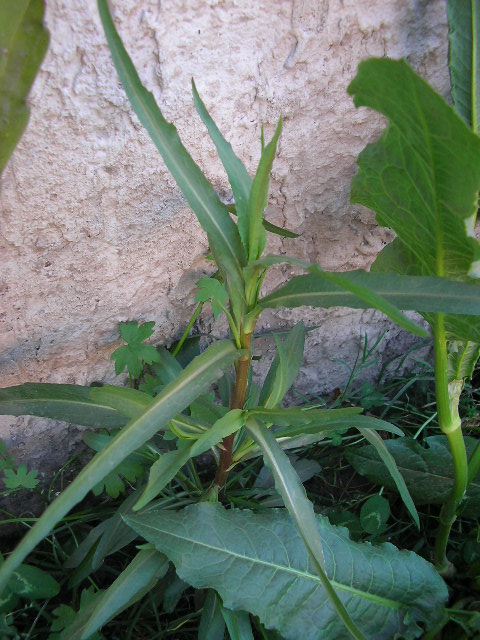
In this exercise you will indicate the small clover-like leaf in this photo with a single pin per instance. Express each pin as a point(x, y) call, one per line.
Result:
point(214, 290)
point(20, 478)
point(134, 354)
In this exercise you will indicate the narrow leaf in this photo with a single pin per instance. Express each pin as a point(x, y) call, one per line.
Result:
point(212, 624)
point(131, 585)
point(389, 462)
point(238, 624)
point(225, 241)
point(68, 402)
point(259, 197)
point(176, 396)
point(238, 177)
point(387, 592)
point(128, 402)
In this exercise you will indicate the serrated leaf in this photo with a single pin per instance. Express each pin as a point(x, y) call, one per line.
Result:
point(213, 290)
point(134, 354)
point(464, 58)
point(225, 242)
point(67, 402)
point(176, 396)
point(23, 44)
point(387, 591)
point(428, 471)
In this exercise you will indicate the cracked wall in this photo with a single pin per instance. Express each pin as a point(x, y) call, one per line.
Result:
point(94, 230)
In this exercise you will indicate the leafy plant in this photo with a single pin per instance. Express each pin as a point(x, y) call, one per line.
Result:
point(424, 171)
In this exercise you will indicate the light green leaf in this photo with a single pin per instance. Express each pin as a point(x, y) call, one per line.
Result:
point(386, 591)
point(225, 242)
point(238, 177)
point(389, 461)
point(284, 368)
point(131, 585)
point(68, 402)
point(464, 58)
point(176, 396)
point(334, 422)
point(428, 471)
point(128, 402)
point(23, 44)
point(169, 464)
point(20, 478)
point(462, 358)
point(422, 176)
point(259, 197)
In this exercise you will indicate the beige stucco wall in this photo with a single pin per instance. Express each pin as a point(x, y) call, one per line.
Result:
point(93, 229)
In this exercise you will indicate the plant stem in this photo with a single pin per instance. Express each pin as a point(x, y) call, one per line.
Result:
point(447, 397)
point(187, 330)
point(242, 370)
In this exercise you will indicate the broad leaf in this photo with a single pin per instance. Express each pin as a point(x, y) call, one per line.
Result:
point(176, 396)
point(259, 196)
point(23, 44)
point(428, 471)
point(213, 290)
point(464, 58)
point(462, 358)
point(130, 586)
point(386, 591)
point(238, 177)
point(284, 368)
point(68, 402)
point(225, 242)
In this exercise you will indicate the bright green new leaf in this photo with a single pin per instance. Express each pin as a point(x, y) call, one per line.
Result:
point(130, 586)
point(225, 242)
point(428, 471)
point(422, 176)
point(23, 44)
point(238, 177)
point(213, 290)
point(20, 478)
point(464, 58)
point(67, 402)
point(176, 396)
point(386, 591)
point(259, 197)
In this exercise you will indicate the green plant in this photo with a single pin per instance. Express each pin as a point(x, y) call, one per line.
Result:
point(23, 43)
point(304, 573)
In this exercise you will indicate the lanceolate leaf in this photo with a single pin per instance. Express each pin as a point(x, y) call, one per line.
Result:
point(422, 176)
point(225, 241)
point(23, 43)
point(386, 591)
point(259, 197)
point(428, 471)
point(284, 368)
point(68, 402)
point(176, 396)
point(462, 357)
point(464, 58)
point(130, 586)
point(405, 292)
point(238, 177)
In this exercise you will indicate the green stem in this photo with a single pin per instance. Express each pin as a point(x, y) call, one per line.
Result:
point(187, 330)
point(447, 397)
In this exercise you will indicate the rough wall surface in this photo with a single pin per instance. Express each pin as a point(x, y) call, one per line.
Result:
point(94, 230)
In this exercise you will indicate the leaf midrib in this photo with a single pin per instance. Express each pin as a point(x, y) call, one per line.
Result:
point(387, 602)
